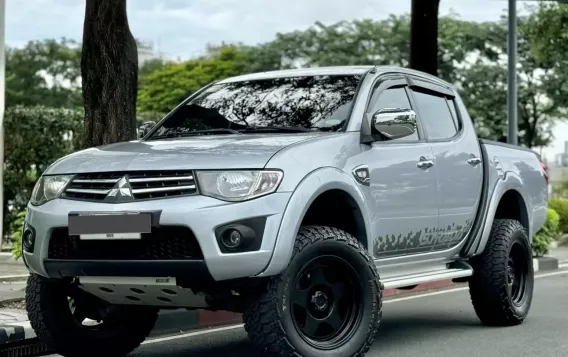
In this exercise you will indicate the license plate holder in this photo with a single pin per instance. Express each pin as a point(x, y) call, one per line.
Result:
point(109, 225)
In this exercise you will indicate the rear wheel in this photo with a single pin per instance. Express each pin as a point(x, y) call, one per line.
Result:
point(328, 300)
point(74, 323)
point(501, 288)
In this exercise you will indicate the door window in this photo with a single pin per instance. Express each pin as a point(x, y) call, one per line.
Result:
point(435, 116)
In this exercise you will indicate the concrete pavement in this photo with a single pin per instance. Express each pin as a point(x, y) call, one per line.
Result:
point(438, 324)
point(10, 291)
point(560, 253)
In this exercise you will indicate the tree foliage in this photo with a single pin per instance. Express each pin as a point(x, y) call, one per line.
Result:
point(547, 234)
point(163, 89)
point(44, 73)
point(483, 84)
point(34, 138)
point(548, 41)
point(471, 55)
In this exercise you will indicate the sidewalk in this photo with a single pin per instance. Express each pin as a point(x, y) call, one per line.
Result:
point(560, 253)
point(9, 267)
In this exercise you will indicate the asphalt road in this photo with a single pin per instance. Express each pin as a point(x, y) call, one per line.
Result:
point(439, 324)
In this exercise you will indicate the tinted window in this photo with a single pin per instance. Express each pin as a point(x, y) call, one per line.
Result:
point(435, 116)
point(310, 102)
point(393, 98)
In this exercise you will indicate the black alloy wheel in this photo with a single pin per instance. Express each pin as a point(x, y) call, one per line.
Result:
point(326, 302)
point(517, 271)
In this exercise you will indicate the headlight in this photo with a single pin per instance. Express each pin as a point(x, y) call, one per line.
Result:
point(238, 185)
point(48, 188)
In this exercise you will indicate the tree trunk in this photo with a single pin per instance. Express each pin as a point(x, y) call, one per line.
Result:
point(424, 36)
point(109, 70)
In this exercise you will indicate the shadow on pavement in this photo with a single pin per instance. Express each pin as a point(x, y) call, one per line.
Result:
point(392, 333)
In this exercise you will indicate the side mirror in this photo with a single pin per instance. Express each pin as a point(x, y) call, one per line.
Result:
point(145, 129)
point(394, 123)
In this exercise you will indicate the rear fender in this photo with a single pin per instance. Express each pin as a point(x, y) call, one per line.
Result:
point(511, 181)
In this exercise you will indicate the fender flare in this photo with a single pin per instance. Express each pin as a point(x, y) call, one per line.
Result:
point(311, 187)
point(511, 182)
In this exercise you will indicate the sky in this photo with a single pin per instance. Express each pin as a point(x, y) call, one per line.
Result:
point(183, 28)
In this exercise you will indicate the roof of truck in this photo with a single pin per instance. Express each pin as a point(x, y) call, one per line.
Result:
point(315, 71)
point(323, 71)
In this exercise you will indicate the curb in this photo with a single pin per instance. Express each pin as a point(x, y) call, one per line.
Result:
point(180, 320)
point(14, 278)
point(545, 263)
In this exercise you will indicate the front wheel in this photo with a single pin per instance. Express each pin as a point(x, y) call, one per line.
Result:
point(73, 323)
point(501, 287)
point(328, 300)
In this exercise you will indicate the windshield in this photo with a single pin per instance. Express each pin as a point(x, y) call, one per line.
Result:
point(304, 103)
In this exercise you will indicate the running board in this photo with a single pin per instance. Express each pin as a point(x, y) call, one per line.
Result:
point(416, 279)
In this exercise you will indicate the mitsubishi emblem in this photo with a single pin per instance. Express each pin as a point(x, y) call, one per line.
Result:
point(121, 190)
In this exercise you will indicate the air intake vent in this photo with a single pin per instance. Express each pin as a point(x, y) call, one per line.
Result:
point(139, 185)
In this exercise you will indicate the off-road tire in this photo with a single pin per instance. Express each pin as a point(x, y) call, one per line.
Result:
point(52, 320)
point(268, 318)
point(490, 295)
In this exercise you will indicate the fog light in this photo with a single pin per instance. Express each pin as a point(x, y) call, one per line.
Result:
point(232, 238)
point(28, 240)
point(240, 237)
point(236, 236)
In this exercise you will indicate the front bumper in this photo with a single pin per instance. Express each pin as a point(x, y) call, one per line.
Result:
point(199, 213)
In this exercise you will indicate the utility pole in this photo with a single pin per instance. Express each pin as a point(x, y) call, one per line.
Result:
point(512, 75)
point(2, 105)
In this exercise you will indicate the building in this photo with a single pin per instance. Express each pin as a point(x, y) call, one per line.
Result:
point(145, 52)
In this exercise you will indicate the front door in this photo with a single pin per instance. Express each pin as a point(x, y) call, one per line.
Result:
point(402, 192)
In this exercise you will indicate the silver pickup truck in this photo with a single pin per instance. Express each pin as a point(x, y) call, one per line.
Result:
point(294, 197)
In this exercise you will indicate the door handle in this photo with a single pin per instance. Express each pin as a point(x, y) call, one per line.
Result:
point(424, 163)
point(474, 161)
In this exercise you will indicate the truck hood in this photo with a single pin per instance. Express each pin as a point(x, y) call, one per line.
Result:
point(205, 152)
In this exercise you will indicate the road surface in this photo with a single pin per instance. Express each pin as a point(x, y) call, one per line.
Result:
point(441, 324)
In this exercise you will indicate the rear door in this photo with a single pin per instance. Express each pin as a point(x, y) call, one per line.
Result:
point(458, 160)
point(402, 193)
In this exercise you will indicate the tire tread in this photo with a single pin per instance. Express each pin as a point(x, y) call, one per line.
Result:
point(262, 320)
point(488, 286)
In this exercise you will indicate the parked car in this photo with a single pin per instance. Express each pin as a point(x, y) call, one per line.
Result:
point(294, 197)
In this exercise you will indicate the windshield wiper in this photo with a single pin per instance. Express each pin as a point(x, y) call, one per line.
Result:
point(196, 133)
point(282, 129)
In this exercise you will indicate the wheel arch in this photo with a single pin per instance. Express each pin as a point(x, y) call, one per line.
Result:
point(337, 208)
point(512, 205)
point(507, 201)
point(316, 189)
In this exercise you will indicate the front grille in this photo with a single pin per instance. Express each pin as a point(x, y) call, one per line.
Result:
point(144, 185)
point(164, 243)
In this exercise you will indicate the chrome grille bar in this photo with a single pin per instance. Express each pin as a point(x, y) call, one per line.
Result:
point(162, 189)
point(159, 179)
point(96, 180)
point(88, 191)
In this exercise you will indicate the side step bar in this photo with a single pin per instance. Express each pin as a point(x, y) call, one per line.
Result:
point(415, 279)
